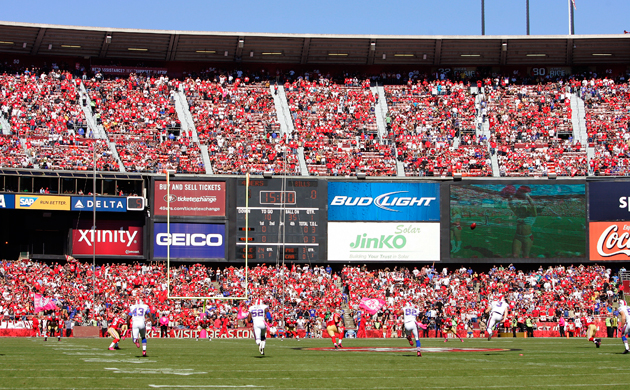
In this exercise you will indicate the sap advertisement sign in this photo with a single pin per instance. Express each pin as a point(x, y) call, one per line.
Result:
point(352, 201)
point(86, 203)
point(189, 241)
point(385, 241)
point(609, 201)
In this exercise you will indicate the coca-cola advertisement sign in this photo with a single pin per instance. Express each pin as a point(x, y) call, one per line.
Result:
point(190, 198)
point(609, 240)
point(109, 239)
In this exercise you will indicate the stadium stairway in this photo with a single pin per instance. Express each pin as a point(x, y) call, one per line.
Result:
point(303, 166)
point(578, 120)
point(286, 122)
point(348, 320)
point(6, 127)
point(28, 153)
point(380, 111)
point(483, 129)
point(99, 132)
point(97, 129)
point(184, 115)
point(188, 124)
point(282, 110)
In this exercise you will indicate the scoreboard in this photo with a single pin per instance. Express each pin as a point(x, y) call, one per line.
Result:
point(287, 219)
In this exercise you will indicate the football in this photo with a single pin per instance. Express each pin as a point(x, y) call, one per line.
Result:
point(473, 225)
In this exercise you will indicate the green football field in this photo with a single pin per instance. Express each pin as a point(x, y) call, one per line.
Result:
point(381, 364)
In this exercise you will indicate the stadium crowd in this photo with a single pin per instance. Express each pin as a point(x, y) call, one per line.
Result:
point(436, 124)
point(301, 296)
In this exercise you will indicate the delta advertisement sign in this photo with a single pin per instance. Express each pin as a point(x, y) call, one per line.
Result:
point(86, 203)
point(609, 241)
point(352, 201)
point(383, 241)
point(7, 201)
point(189, 241)
point(109, 239)
point(190, 198)
point(42, 202)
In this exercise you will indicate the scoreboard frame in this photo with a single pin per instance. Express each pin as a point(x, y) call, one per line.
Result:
point(287, 220)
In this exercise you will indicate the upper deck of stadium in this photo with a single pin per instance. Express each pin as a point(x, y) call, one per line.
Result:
point(225, 47)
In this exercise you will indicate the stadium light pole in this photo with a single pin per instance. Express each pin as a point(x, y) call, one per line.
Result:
point(527, 15)
point(571, 17)
point(483, 17)
point(94, 223)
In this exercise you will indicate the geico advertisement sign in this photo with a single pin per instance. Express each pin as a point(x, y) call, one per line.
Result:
point(384, 241)
point(115, 242)
point(609, 240)
point(190, 198)
point(351, 201)
point(42, 202)
point(189, 241)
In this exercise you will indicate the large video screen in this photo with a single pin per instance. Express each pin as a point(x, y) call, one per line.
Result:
point(517, 221)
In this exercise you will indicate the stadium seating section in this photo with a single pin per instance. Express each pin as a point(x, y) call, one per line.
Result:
point(431, 128)
point(545, 294)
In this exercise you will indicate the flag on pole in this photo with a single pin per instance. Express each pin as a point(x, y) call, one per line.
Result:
point(573, 3)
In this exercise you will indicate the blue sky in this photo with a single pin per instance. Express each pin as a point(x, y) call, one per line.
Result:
point(397, 17)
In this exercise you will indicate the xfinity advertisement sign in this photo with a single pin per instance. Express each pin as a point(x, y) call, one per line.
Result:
point(393, 241)
point(189, 241)
point(352, 201)
point(81, 203)
point(111, 238)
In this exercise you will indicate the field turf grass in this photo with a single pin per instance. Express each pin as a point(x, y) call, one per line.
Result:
point(232, 364)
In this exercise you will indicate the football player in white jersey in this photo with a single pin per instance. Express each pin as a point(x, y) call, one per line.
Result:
point(258, 313)
point(624, 325)
point(497, 311)
point(410, 312)
point(138, 311)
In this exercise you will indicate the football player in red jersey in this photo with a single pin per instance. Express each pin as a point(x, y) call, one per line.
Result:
point(335, 329)
point(113, 331)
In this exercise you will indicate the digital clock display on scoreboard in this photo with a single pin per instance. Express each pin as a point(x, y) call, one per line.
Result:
point(286, 220)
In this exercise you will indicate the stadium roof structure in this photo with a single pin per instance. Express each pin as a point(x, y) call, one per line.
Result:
point(226, 47)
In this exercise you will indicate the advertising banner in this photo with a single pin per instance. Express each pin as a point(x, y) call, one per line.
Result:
point(103, 203)
point(190, 241)
point(191, 198)
point(352, 201)
point(383, 241)
point(609, 241)
point(7, 201)
point(125, 70)
point(609, 201)
point(517, 221)
point(42, 202)
point(112, 238)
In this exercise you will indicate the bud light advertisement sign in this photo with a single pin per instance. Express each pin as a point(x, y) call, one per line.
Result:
point(352, 201)
point(609, 201)
point(189, 241)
